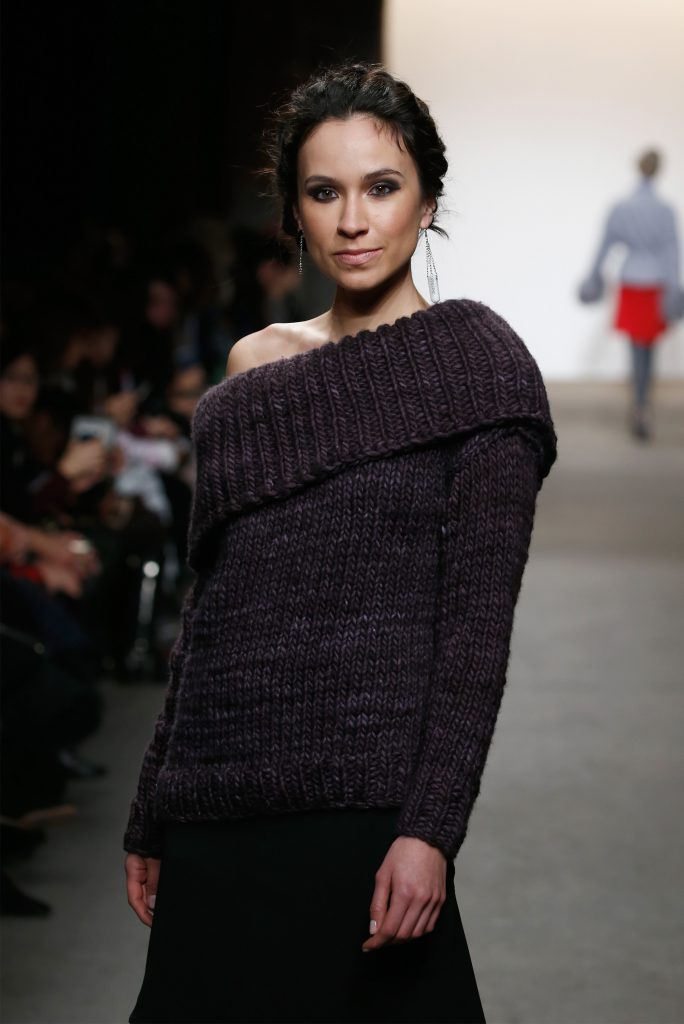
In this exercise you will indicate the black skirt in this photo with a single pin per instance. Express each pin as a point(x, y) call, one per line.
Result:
point(262, 919)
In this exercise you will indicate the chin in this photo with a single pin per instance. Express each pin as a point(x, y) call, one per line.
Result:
point(360, 281)
point(356, 283)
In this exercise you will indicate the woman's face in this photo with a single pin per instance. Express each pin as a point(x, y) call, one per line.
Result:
point(186, 389)
point(19, 388)
point(161, 308)
point(360, 203)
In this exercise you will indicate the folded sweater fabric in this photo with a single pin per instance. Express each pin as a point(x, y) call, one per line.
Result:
point(360, 526)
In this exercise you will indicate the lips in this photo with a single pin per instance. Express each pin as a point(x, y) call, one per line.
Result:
point(356, 258)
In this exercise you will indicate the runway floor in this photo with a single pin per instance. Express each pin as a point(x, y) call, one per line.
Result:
point(569, 882)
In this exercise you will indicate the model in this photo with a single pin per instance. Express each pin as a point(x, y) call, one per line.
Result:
point(366, 490)
point(650, 296)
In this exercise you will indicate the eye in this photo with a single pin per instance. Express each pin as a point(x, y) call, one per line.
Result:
point(323, 194)
point(386, 186)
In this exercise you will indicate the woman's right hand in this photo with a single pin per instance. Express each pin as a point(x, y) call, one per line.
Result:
point(142, 876)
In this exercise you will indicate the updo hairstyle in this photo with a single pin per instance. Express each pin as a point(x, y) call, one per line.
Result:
point(340, 92)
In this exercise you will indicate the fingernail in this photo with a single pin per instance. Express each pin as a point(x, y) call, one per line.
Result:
point(373, 926)
point(151, 901)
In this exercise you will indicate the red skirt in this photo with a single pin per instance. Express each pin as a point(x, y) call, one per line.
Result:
point(638, 313)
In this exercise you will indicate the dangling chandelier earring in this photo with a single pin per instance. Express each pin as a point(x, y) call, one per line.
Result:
point(301, 250)
point(433, 283)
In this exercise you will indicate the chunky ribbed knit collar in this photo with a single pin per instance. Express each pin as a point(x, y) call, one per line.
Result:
point(270, 430)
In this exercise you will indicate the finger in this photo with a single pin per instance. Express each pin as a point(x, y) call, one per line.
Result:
point(150, 896)
point(136, 900)
point(423, 921)
point(379, 901)
point(390, 923)
point(153, 869)
point(436, 911)
point(412, 915)
point(152, 882)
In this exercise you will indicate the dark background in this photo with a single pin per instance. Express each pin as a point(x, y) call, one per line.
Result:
point(145, 115)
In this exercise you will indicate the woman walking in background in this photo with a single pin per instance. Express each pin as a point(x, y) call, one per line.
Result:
point(366, 490)
point(650, 295)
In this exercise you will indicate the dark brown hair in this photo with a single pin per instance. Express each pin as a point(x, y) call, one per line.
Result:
point(649, 163)
point(339, 92)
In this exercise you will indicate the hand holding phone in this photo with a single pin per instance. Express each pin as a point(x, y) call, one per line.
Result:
point(84, 462)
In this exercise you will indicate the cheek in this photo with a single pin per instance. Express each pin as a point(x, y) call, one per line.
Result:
point(398, 221)
point(319, 221)
point(16, 401)
point(9, 395)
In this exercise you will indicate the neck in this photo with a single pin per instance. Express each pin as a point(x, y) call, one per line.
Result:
point(354, 311)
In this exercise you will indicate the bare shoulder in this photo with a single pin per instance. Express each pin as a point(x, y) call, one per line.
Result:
point(277, 341)
point(248, 352)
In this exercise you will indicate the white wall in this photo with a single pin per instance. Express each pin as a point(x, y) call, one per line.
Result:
point(543, 106)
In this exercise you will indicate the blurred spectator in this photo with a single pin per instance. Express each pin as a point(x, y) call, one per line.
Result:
point(48, 703)
point(151, 338)
point(31, 489)
point(101, 368)
point(265, 280)
point(91, 484)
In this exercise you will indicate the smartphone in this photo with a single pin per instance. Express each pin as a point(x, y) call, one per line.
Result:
point(86, 428)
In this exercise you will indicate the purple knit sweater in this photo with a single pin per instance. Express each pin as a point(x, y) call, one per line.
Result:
point(359, 531)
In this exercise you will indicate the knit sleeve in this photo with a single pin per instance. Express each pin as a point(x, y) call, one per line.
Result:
point(143, 833)
point(490, 512)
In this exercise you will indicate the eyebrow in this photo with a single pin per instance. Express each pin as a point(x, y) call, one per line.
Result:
point(367, 177)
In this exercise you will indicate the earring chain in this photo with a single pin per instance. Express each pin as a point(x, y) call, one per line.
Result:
point(433, 282)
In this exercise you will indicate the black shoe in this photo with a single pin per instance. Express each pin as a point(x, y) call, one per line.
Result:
point(15, 903)
point(77, 767)
point(639, 425)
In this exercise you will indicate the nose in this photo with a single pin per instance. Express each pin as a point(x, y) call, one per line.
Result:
point(353, 219)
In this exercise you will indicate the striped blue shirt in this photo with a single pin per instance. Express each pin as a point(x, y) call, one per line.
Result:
point(647, 228)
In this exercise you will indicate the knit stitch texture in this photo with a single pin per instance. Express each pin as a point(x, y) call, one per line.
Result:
point(360, 527)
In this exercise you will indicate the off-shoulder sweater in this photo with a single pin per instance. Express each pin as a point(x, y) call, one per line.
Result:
point(359, 530)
